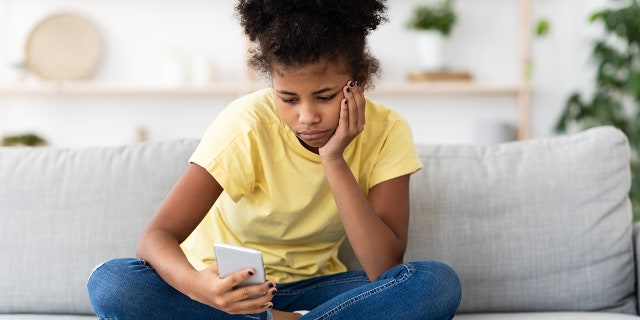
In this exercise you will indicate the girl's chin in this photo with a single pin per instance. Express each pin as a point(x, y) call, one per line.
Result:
point(312, 146)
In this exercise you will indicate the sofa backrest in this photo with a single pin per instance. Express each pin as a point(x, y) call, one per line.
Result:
point(537, 225)
point(62, 211)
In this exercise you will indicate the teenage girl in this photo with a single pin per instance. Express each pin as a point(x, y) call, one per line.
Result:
point(293, 171)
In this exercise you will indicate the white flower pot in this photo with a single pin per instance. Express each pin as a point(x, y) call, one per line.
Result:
point(429, 44)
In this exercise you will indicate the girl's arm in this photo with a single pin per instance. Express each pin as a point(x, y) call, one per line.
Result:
point(180, 213)
point(376, 226)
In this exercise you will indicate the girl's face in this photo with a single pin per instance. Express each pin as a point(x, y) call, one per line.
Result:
point(308, 100)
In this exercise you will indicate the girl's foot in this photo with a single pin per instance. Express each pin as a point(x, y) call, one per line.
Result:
point(281, 315)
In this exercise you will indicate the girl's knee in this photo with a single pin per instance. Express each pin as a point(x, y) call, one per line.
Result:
point(442, 270)
point(103, 273)
point(441, 273)
point(110, 283)
point(442, 281)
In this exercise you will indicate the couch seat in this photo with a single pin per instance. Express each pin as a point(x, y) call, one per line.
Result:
point(547, 316)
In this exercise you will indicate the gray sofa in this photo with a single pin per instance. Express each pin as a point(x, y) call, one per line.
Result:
point(539, 229)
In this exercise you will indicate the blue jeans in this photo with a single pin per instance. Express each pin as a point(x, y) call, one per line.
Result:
point(131, 289)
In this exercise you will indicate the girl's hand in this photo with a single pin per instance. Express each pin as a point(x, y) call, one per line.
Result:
point(351, 122)
point(210, 289)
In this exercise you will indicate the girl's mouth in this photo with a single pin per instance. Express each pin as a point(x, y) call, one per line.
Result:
point(313, 135)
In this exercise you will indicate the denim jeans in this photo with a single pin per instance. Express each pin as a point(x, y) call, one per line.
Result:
point(131, 289)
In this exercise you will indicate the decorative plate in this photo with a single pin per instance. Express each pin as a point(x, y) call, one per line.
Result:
point(64, 46)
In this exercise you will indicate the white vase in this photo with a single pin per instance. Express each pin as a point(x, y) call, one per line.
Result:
point(173, 70)
point(430, 52)
point(201, 70)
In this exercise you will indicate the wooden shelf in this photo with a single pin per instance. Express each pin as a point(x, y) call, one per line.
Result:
point(239, 88)
point(452, 87)
point(102, 89)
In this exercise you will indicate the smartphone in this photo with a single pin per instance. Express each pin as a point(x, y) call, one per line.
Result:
point(232, 258)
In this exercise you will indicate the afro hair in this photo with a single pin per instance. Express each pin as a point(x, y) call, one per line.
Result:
point(291, 33)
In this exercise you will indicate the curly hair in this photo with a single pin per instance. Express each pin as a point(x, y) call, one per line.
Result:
point(292, 33)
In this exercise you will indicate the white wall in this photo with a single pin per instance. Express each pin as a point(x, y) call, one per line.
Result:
point(138, 35)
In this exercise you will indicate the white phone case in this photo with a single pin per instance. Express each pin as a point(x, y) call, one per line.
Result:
point(232, 258)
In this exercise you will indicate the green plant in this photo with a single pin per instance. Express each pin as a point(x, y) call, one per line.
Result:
point(543, 27)
point(25, 139)
point(616, 99)
point(19, 66)
point(440, 17)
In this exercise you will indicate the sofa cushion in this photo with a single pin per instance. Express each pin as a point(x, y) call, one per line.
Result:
point(636, 243)
point(46, 317)
point(547, 316)
point(538, 225)
point(65, 210)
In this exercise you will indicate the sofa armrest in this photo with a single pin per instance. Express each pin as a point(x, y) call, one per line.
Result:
point(636, 245)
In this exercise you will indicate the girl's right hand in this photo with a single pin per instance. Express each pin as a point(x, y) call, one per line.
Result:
point(210, 289)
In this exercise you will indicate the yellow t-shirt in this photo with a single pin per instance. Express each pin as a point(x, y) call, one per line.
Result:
point(276, 198)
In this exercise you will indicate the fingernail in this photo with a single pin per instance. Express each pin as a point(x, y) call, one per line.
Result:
point(251, 273)
point(348, 90)
point(351, 84)
point(270, 305)
point(270, 285)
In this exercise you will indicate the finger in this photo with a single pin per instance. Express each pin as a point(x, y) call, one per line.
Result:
point(254, 303)
point(352, 105)
point(250, 307)
point(351, 92)
point(214, 268)
point(343, 122)
point(254, 291)
point(358, 96)
point(356, 93)
point(237, 277)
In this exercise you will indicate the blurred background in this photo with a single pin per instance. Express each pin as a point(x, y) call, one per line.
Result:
point(163, 69)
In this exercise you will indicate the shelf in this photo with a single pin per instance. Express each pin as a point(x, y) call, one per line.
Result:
point(518, 87)
point(450, 87)
point(239, 88)
point(102, 89)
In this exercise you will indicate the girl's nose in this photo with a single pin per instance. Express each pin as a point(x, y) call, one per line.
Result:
point(308, 114)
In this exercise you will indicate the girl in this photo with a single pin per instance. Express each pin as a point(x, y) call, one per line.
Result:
point(292, 171)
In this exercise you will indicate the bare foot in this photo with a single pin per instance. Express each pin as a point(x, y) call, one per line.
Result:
point(281, 315)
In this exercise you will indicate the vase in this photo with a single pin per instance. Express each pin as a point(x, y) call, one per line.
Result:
point(430, 53)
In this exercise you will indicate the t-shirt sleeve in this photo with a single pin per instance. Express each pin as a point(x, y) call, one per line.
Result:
point(397, 156)
point(225, 152)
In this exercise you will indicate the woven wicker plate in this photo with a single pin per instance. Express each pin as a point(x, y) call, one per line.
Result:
point(64, 46)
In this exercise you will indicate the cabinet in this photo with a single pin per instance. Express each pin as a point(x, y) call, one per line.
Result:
point(520, 89)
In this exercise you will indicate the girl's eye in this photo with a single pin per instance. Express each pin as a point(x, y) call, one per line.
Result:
point(288, 100)
point(327, 98)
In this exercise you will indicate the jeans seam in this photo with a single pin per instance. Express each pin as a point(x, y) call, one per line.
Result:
point(368, 293)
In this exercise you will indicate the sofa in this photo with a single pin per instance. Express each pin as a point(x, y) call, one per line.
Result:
point(536, 229)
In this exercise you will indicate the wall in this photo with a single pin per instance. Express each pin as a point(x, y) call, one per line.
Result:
point(140, 36)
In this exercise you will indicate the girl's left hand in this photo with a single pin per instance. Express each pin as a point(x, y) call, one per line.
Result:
point(351, 123)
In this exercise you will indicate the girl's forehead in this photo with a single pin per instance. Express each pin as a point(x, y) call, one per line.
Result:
point(320, 68)
point(311, 69)
point(308, 81)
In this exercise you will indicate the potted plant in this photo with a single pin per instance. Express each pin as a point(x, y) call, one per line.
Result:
point(23, 140)
point(19, 71)
point(433, 24)
point(616, 97)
